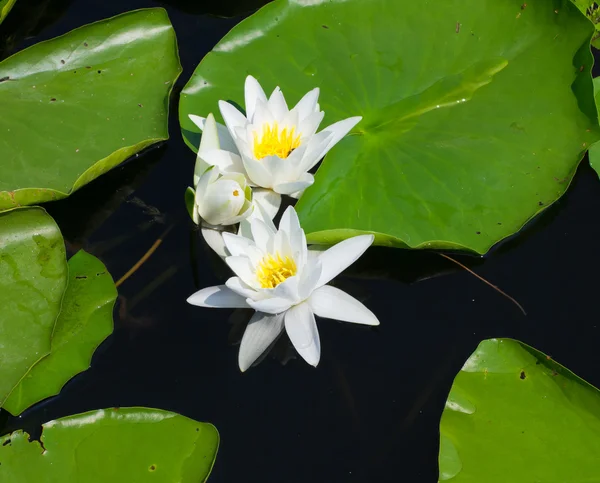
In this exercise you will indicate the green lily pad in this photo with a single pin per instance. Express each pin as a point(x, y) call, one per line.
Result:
point(514, 411)
point(5, 7)
point(85, 320)
point(591, 9)
point(76, 106)
point(54, 315)
point(594, 152)
point(476, 113)
point(117, 445)
point(33, 278)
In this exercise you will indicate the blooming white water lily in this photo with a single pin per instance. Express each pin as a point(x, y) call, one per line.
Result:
point(286, 284)
point(275, 146)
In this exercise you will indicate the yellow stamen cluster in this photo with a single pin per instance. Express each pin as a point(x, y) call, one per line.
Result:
point(273, 270)
point(275, 142)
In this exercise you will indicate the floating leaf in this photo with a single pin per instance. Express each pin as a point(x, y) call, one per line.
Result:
point(594, 151)
point(78, 105)
point(514, 411)
point(85, 320)
point(476, 113)
point(5, 7)
point(116, 445)
point(33, 278)
point(54, 314)
point(591, 9)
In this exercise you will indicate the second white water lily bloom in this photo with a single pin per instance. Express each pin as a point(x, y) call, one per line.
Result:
point(286, 284)
point(277, 145)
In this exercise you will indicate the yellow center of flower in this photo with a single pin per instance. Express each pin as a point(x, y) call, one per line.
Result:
point(275, 142)
point(273, 270)
point(236, 193)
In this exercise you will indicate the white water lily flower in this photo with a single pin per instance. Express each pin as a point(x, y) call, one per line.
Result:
point(276, 276)
point(275, 145)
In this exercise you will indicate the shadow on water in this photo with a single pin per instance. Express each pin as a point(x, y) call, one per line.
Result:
point(222, 8)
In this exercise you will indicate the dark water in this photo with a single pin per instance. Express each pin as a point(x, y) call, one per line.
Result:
point(370, 411)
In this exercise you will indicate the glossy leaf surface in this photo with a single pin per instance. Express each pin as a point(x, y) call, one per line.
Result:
point(78, 105)
point(514, 411)
point(117, 445)
point(85, 320)
point(33, 278)
point(476, 113)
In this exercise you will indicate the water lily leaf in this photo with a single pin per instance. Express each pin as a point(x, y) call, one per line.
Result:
point(117, 445)
point(594, 152)
point(33, 278)
point(85, 320)
point(5, 7)
point(513, 410)
point(476, 113)
point(591, 9)
point(78, 105)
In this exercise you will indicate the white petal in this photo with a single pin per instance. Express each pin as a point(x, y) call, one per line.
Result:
point(302, 330)
point(313, 154)
point(226, 161)
point(277, 104)
point(225, 139)
point(232, 117)
point(339, 257)
point(309, 278)
point(273, 305)
point(242, 267)
point(252, 92)
point(290, 224)
point(261, 332)
point(308, 104)
point(210, 135)
point(262, 235)
point(214, 239)
point(268, 200)
point(339, 130)
point(308, 126)
point(333, 303)
point(280, 170)
point(217, 297)
point(257, 172)
point(237, 245)
point(259, 213)
point(237, 285)
point(295, 186)
point(287, 290)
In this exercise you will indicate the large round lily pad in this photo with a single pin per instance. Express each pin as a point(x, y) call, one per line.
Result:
point(476, 113)
point(78, 105)
point(112, 445)
point(514, 413)
point(54, 314)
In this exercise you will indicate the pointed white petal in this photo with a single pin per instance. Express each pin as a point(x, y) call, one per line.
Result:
point(237, 285)
point(287, 290)
point(296, 186)
point(302, 330)
point(232, 117)
point(242, 267)
point(237, 245)
point(261, 332)
point(313, 154)
point(226, 161)
point(308, 104)
point(339, 130)
point(309, 278)
point(214, 239)
point(308, 126)
point(210, 135)
point(252, 92)
point(262, 115)
point(257, 172)
point(225, 139)
point(219, 297)
point(268, 200)
point(339, 257)
point(280, 170)
point(290, 224)
point(333, 303)
point(277, 104)
point(262, 235)
point(273, 305)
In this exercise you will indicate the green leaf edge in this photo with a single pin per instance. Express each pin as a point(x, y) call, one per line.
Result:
point(31, 196)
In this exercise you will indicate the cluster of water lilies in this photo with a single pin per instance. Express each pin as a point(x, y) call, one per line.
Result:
point(241, 172)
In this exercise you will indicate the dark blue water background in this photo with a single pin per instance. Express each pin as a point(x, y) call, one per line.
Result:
point(370, 412)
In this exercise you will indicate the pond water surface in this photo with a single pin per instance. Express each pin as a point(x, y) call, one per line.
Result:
point(370, 412)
